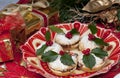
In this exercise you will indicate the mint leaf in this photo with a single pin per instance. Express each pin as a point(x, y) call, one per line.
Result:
point(74, 31)
point(100, 42)
point(89, 61)
point(56, 29)
point(47, 36)
point(66, 59)
point(49, 56)
point(118, 14)
point(41, 50)
point(92, 28)
point(99, 52)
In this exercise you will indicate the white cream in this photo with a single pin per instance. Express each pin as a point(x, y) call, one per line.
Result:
point(58, 66)
point(85, 43)
point(61, 39)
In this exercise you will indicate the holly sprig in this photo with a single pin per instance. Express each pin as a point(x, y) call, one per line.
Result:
point(59, 30)
point(93, 29)
point(89, 59)
point(56, 29)
point(51, 56)
point(41, 50)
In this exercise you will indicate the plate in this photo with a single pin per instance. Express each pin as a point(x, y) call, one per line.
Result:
point(35, 65)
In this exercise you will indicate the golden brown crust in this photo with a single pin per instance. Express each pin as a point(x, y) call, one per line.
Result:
point(70, 47)
point(86, 69)
point(60, 73)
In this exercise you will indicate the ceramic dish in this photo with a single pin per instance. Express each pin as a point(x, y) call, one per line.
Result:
point(38, 66)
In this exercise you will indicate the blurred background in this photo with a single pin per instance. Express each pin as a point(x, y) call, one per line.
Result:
point(3, 3)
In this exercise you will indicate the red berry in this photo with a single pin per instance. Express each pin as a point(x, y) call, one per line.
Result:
point(86, 52)
point(77, 25)
point(68, 35)
point(43, 30)
point(49, 43)
point(62, 52)
point(91, 37)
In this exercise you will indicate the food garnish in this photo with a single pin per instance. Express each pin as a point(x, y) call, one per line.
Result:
point(89, 58)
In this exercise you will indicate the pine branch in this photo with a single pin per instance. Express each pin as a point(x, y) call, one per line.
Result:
point(68, 8)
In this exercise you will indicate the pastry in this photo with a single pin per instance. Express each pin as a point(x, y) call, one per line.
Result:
point(60, 69)
point(67, 43)
point(99, 63)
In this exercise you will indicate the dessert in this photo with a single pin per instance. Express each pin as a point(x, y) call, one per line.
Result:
point(68, 39)
point(90, 56)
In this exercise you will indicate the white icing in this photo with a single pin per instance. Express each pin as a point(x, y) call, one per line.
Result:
point(87, 43)
point(57, 65)
point(61, 39)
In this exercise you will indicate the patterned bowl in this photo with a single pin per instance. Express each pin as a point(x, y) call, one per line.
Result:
point(35, 65)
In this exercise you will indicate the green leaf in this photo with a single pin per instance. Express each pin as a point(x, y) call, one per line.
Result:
point(99, 52)
point(100, 41)
point(41, 50)
point(66, 59)
point(118, 14)
point(47, 35)
point(74, 31)
point(89, 61)
point(92, 28)
point(56, 29)
point(49, 56)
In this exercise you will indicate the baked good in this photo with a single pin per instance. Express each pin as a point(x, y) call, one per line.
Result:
point(60, 69)
point(81, 66)
point(67, 43)
point(98, 65)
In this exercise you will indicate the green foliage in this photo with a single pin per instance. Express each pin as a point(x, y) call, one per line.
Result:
point(66, 59)
point(47, 36)
point(99, 52)
point(56, 29)
point(41, 50)
point(49, 56)
point(89, 61)
point(64, 6)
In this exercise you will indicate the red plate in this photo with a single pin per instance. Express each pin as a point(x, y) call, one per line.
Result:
point(35, 65)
